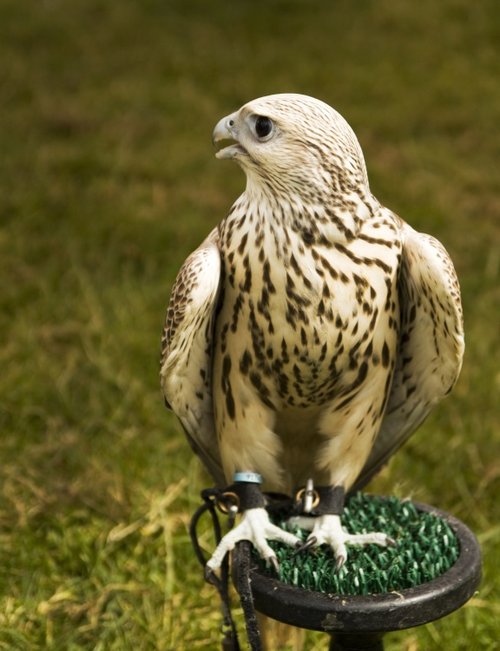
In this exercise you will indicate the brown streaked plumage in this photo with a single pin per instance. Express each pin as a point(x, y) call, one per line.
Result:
point(314, 330)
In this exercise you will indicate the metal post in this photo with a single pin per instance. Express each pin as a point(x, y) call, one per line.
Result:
point(356, 642)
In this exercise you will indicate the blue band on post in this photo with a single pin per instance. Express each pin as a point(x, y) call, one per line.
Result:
point(250, 477)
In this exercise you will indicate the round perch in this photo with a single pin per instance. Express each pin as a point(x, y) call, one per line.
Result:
point(359, 621)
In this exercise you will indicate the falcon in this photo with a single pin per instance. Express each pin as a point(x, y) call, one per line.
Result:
point(312, 331)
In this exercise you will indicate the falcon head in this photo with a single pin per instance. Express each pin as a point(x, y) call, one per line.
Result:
point(295, 143)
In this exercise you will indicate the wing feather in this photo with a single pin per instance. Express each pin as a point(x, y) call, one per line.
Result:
point(431, 344)
point(187, 346)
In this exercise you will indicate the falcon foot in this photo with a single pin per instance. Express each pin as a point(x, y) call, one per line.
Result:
point(256, 527)
point(327, 530)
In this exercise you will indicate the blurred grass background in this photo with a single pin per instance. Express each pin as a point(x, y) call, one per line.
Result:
point(107, 181)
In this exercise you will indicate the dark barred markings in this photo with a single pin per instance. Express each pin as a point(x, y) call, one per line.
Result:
point(362, 373)
point(263, 304)
point(284, 351)
point(335, 357)
point(297, 373)
point(283, 383)
point(295, 265)
point(353, 354)
point(373, 321)
point(385, 355)
point(266, 276)
point(291, 314)
point(387, 389)
point(236, 310)
point(347, 232)
point(376, 240)
point(301, 278)
point(345, 402)
point(181, 297)
point(325, 264)
point(259, 341)
point(362, 260)
point(303, 316)
point(298, 389)
point(360, 282)
point(388, 284)
point(245, 362)
point(247, 285)
point(353, 389)
point(223, 337)
point(298, 299)
point(262, 390)
point(231, 275)
point(263, 309)
point(226, 387)
point(308, 237)
point(243, 243)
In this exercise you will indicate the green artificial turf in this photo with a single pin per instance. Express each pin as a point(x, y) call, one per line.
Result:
point(107, 181)
point(426, 547)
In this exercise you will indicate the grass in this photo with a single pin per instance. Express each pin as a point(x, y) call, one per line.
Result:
point(107, 181)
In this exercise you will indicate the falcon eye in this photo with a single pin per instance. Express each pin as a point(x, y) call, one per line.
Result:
point(263, 126)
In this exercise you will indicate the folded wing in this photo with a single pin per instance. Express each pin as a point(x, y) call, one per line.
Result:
point(187, 346)
point(431, 344)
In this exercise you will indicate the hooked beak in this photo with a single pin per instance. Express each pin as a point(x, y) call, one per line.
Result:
point(226, 129)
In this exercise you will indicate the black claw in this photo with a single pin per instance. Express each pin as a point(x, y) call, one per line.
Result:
point(302, 547)
point(274, 562)
point(340, 562)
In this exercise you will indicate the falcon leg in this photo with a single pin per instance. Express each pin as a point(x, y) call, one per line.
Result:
point(326, 528)
point(255, 524)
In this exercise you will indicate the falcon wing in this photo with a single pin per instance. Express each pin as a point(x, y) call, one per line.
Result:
point(186, 355)
point(431, 344)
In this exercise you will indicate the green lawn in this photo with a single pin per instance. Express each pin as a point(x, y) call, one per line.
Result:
point(108, 180)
